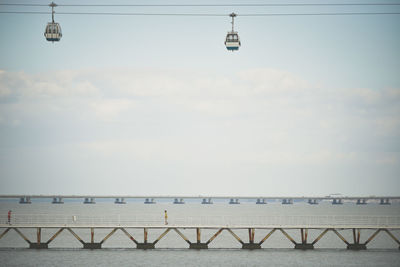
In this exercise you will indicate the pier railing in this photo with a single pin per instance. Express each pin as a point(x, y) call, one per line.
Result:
point(157, 220)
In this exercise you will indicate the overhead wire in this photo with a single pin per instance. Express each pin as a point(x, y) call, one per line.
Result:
point(205, 14)
point(209, 5)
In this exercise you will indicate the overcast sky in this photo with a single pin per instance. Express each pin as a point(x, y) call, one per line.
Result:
point(156, 105)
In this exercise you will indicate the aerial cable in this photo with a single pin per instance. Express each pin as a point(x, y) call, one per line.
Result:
point(209, 5)
point(205, 14)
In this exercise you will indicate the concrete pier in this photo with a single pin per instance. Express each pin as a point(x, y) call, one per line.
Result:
point(25, 200)
point(337, 201)
point(234, 201)
point(120, 201)
point(57, 200)
point(207, 201)
point(361, 201)
point(261, 201)
point(312, 201)
point(179, 201)
point(149, 201)
point(89, 201)
point(287, 201)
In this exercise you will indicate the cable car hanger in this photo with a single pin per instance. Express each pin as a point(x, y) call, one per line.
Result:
point(232, 40)
point(53, 29)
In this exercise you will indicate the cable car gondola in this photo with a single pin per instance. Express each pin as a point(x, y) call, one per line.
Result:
point(232, 40)
point(53, 30)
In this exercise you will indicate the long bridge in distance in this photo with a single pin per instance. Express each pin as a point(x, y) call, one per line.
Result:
point(208, 199)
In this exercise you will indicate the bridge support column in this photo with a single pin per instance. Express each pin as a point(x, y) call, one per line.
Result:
point(198, 244)
point(92, 244)
point(385, 201)
point(25, 200)
point(38, 244)
point(57, 200)
point(251, 245)
point(356, 238)
point(304, 245)
point(145, 244)
point(88, 200)
point(337, 201)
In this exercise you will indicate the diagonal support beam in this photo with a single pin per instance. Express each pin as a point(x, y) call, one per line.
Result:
point(235, 236)
point(108, 236)
point(372, 236)
point(267, 236)
point(54, 236)
point(22, 235)
point(129, 235)
point(161, 236)
point(288, 236)
point(340, 236)
point(183, 236)
point(320, 236)
point(76, 236)
point(392, 236)
point(5, 232)
point(214, 236)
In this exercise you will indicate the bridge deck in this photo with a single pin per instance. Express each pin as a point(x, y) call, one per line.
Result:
point(200, 197)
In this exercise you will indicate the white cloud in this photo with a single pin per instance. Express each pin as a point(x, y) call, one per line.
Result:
point(109, 109)
point(215, 124)
point(273, 82)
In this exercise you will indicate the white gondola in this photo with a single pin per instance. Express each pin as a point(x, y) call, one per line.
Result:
point(53, 30)
point(232, 40)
